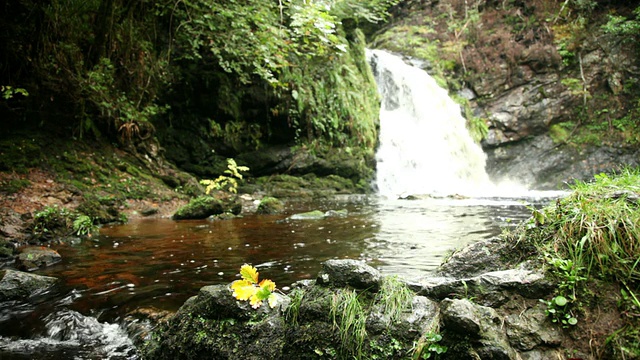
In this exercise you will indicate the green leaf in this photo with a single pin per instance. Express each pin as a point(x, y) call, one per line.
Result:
point(572, 321)
point(560, 300)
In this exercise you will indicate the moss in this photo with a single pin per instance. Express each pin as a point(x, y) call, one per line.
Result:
point(200, 208)
point(20, 154)
point(559, 133)
point(13, 186)
point(270, 205)
point(6, 250)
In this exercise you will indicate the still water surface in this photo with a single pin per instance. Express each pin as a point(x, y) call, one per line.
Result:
point(161, 262)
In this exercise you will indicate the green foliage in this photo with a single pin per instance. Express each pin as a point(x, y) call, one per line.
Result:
point(9, 92)
point(12, 186)
point(429, 347)
point(395, 298)
point(227, 182)
point(129, 115)
point(50, 218)
point(293, 310)
point(83, 226)
point(622, 26)
point(297, 52)
point(349, 318)
point(58, 221)
point(595, 228)
point(558, 309)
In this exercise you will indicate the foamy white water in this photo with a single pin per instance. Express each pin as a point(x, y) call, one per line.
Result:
point(425, 147)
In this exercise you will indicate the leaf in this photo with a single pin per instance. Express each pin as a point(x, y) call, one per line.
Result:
point(268, 284)
point(560, 300)
point(255, 302)
point(273, 300)
point(249, 273)
point(243, 289)
point(572, 321)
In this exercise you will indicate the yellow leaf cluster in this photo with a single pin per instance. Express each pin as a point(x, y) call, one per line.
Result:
point(248, 288)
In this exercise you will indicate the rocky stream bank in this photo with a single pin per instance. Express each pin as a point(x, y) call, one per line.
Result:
point(477, 307)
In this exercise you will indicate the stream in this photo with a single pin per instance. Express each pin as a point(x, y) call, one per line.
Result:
point(160, 263)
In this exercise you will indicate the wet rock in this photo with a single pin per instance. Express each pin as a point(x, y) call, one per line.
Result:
point(461, 316)
point(317, 214)
point(22, 286)
point(489, 289)
point(215, 325)
point(310, 215)
point(140, 323)
point(149, 211)
point(34, 257)
point(481, 324)
point(270, 206)
point(336, 213)
point(532, 328)
point(201, 208)
point(422, 317)
point(357, 274)
point(475, 259)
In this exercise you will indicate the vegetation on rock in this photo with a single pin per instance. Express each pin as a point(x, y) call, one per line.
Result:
point(592, 236)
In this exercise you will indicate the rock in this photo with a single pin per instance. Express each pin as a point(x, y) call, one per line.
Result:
point(148, 211)
point(481, 324)
point(532, 328)
point(539, 163)
point(336, 213)
point(422, 317)
point(489, 289)
point(474, 259)
point(311, 215)
point(200, 208)
point(34, 257)
point(140, 323)
point(357, 274)
point(461, 316)
point(21, 286)
point(317, 214)
point(270, 206)
point(215, 325)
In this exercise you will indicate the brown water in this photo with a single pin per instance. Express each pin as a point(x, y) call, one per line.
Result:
point(161, 262)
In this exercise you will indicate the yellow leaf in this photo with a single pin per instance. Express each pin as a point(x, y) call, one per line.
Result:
point(243, 289)
point(249, 273)
point(255, 301)
point(267, 284)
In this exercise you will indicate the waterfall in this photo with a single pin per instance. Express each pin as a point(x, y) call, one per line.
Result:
point(425, 147)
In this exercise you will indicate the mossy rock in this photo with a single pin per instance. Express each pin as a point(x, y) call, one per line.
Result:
point(200, 208)
point(6, 250)
point(103, 209)
point(270, 206)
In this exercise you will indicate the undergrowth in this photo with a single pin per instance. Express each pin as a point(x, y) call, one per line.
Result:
point(592, 235)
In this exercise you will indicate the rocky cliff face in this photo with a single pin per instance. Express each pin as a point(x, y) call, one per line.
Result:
point(553, 87)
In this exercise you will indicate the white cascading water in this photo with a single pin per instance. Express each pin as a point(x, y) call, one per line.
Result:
point(425, 147)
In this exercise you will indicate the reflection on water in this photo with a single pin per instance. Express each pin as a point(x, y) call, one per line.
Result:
point(161, 262)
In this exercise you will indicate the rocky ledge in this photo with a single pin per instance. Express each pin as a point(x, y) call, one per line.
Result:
point(352, 311)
